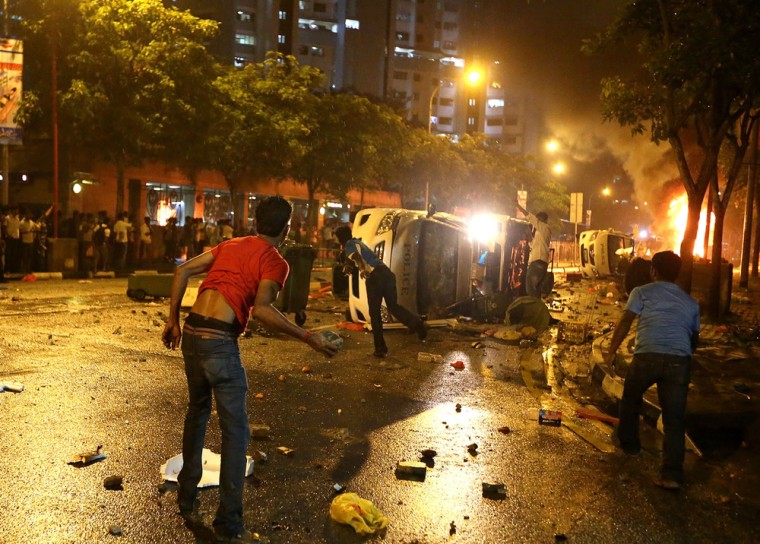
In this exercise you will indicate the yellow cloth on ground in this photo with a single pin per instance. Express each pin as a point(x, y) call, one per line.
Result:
point(361, 514)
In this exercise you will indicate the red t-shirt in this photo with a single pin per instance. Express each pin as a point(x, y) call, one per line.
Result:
point(239, 266)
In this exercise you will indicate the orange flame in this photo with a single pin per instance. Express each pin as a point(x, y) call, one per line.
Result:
point(678, 212)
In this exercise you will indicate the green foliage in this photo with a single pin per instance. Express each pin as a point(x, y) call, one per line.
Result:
point(261, 112)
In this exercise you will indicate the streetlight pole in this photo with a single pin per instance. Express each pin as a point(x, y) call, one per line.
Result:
point(435, 92)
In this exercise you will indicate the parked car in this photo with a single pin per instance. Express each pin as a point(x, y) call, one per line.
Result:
point(441, 268)
point(605, 252)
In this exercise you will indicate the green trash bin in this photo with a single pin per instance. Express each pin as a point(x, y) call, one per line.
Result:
point(295, 292)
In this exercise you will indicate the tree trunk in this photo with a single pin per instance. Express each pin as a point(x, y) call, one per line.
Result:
point(754, 168)
point(119, 186)
point(708, 221)
point(748, 211)
point(312, 218)
point(689, 238)
point(715, 269)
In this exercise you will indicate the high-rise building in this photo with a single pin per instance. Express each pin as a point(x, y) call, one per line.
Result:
point(414, 52)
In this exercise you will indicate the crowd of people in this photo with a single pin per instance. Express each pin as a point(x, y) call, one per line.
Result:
point(105, 244)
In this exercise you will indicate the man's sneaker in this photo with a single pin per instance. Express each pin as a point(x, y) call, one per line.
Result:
point(192, 517)
point(238, 538)
point(668, 484)
point(380, 354)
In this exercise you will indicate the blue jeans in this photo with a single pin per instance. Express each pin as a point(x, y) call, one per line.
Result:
point(671, 373)
point(535, 277)
point(213, 365)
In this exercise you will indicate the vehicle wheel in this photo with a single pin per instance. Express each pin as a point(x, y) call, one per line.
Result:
point(139, 294)
point(300, 318)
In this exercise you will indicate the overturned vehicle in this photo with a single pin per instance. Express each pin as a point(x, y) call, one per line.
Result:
point(443, 264)
point(605, 253)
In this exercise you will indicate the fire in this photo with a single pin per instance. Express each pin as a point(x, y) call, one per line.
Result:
point(678, 212)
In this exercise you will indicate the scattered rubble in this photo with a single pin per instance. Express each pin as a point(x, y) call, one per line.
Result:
point(114, 483)
point(496, 491)
point(88, 457)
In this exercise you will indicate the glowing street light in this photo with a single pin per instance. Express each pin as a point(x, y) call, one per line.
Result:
point(552, 146)
point(473, 77)
point(559, 168)
point(606, 191)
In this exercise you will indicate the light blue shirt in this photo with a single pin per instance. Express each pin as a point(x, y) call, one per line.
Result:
point(354, 245)
point(668, 317)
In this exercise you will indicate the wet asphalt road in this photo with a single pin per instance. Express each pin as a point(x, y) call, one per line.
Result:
point(95, 372)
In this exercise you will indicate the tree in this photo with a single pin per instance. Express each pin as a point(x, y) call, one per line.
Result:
point(350, 143)
point(140, 83)
point(261, 114)
point(696, 87)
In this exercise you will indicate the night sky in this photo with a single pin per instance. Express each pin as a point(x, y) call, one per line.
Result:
point(539, 44)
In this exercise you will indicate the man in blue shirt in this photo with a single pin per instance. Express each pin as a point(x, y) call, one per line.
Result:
point(666, 336)
point(381, 284)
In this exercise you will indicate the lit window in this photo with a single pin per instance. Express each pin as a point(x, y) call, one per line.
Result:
point(472, 102)
point(353, 24)
point(471, 121)
point(318, 51)
point(281, 38)
point(402, 36)
point(283, 15)
point(244, 15)
point(245, 39)
point(436, 44)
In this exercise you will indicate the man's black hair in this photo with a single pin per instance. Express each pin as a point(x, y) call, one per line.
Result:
point(272, 215)
point(542, 216)
point(667, 264)
point(343, 234)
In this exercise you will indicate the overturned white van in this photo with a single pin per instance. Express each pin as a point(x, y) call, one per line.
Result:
point(604, 252)
point(439, 265)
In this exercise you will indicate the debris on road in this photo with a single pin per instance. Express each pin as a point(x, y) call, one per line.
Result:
point(496, 491)
point(458, 365)
point(477, 345)
point(552, 418)
point(211, 465)
point(14, 387)
point(260, 431)
point(339, 488)
point(287, 452)
point(429, 357)
point(452, 528)
point(114, 483)
point(306, 369)
point(361, 514)
point(281, 378)
point(114, 530)
point(504, 430)
point(88, 457)
point(458, 407)
point(262, 457)
point(473, 449)
point(414, 470)
point(259, 395)
point(585, 413)
point(428, 453)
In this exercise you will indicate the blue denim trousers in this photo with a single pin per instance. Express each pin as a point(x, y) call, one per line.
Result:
point(381, 284)
point(671, 373)
point(534, 277)
point(213, 366)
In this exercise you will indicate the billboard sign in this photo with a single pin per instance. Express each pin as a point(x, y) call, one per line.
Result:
point(11, 70)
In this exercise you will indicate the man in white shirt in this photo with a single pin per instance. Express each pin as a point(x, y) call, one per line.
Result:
point(11, 224)
point(28, 229)
point(538, 262)
point(146, 240)
point(121, 238)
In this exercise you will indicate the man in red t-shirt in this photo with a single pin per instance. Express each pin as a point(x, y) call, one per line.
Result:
point(244, 276)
